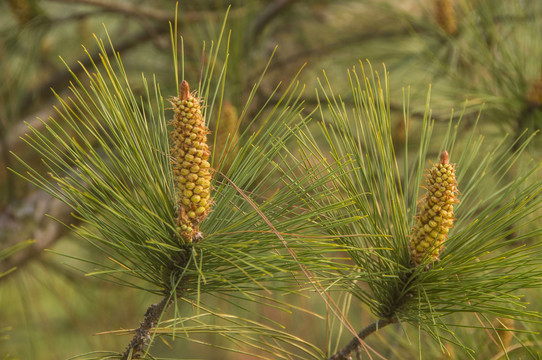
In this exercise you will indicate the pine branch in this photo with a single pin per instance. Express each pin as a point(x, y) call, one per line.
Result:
point(152, 13)
point(46, 232)
point(355, 344)
point(61, 77)
point(269, 13)
point(143, 334)
point(126, 8)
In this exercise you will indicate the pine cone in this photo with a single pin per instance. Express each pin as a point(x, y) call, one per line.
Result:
point(445, 16)
point(436, 213)
point(191, 167)
point(227, 136)
point(534, 94)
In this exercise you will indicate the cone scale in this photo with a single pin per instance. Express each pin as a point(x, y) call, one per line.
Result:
point(435, 215)
point(191, 168)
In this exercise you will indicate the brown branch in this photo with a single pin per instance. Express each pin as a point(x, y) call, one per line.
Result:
point(143, 334)
point(355, 344)
point(335, 46)
point(25, 11)
point(161, 27)
point(46, 233)
point(62, 77)
point(151, 13)
point(126, 8)
point(268, 14)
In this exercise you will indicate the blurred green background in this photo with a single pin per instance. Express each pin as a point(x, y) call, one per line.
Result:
point(472, 52)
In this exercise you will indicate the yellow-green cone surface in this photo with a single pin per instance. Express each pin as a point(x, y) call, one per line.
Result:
point(435, 214)
point(191, 167)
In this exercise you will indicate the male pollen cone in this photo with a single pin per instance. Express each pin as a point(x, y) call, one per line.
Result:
point(435, 215)
point(191, 168)
point(445, 16)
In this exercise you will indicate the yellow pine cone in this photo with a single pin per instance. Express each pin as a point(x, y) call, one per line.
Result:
point(435, 214)
point(445, 16)
point(534, 94)
point(227, 135)
point(506, 336)
point(191, 167)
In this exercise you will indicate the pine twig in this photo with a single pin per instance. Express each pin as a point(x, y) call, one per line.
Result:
point(45, 231)
point(143, 334)
point(61, 77)
point(126, 8)
point(355, 344)
point(269, 13)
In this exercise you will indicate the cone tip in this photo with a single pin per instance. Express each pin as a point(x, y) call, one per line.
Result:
point(184, 90)
point(444, 157)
